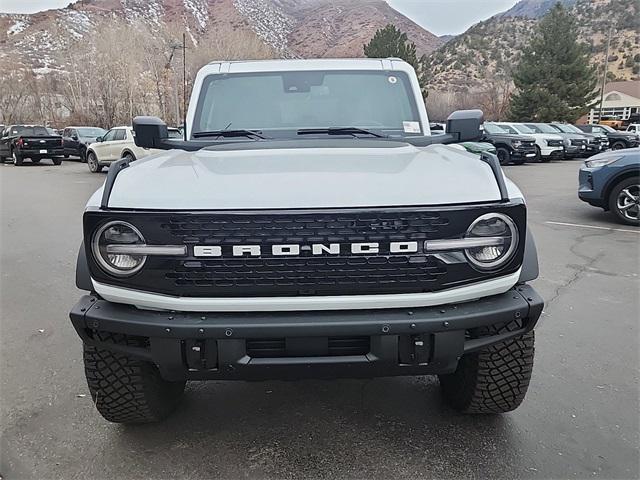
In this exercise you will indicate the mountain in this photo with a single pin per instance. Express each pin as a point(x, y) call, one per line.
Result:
point(291, 28)
point(490, 49)
point(534, 8)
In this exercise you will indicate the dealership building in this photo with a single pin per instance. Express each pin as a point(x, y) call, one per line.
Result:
point(621, 99)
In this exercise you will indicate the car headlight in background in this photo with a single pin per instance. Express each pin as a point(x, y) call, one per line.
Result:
point(501, 235)
point(600, 162)
point(114, 246)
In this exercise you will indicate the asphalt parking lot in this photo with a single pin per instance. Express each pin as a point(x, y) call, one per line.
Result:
point(579, 420)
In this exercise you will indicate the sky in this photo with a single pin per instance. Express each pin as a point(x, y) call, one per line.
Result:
point(441, 17)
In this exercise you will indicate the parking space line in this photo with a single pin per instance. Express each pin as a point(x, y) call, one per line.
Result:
point(593, 226)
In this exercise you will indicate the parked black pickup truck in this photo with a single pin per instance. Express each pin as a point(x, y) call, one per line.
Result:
point(29, 141)
point(617, 139)
point(510, 148)
point(75, 140)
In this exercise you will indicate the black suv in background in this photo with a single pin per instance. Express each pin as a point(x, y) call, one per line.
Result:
point(510, 148)
point(76, 139)
point(596, 143)
point(617, 139)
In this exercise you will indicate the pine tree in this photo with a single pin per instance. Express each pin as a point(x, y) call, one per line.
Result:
point(391, 42)
point(554, 79)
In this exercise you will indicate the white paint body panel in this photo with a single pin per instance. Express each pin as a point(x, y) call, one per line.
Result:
point(304, 178)
point(151, 301)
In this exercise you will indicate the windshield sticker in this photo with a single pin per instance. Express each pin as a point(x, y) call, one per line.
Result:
point(393, 79)
point(411, 127)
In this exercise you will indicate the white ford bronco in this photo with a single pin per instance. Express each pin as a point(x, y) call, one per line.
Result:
point(308, 225)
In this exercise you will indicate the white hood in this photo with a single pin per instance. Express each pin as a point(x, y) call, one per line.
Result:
point(304, 178)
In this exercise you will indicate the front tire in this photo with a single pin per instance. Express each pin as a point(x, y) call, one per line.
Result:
point(57, 161)
point(17, 158)
point(494, 380)
point(624, 201)
point(504, 156)
point(92, 163)
point(618, 146)
point(125, 389)
point(128, 157)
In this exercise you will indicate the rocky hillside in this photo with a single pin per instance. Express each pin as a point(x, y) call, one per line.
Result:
point(534, 8)
point(292, 28)
point(490, 49)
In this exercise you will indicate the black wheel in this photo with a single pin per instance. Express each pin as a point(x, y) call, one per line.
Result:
point(538, 157)
point(17, 158)
point(618, 146)
point(66, 156)
point(92, 162)
point(494, 380)
point(125, 389)
point(57, 160)
point(128, 157)
point(624, 201)
point(83, 156)
point(504, 156)
point(35, 160)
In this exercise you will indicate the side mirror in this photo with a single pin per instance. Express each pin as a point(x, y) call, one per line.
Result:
point(99, 139)
point(149, 132)
point(74, 137)
point(465, 125)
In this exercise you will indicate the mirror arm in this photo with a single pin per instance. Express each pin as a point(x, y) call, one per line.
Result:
point(494, 163)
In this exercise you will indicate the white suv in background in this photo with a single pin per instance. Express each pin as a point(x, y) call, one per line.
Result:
point(548, 145)
point(118, 143)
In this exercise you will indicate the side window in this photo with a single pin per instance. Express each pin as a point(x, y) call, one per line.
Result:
point(72, 132)
point(66, 133)
point(120, 134)
point(109, 136)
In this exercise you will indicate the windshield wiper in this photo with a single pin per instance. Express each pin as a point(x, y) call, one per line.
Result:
point(340, 131)
point(230, 133)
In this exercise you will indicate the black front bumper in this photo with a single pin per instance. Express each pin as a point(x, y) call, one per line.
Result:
point(523, 153)
point(270, 345)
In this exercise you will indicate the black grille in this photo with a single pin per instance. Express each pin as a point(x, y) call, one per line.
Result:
point(332, 346)
point(365, 227)
point(304, 274)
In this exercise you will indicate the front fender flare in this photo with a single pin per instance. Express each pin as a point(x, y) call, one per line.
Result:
point(83, 277)
point(530, 269)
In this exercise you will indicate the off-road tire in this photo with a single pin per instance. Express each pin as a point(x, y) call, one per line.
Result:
point(503, 155)
point(92, 163)
point(17, 158)
point(494, 380)
point(629, 184)
point(57, 161)
point(125, 389)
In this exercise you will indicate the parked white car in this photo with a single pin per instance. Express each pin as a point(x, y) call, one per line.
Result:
point(634, 128)
point(548, 145)
point(118, 143)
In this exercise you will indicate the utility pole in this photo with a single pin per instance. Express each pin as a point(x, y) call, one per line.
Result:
point(604, 74)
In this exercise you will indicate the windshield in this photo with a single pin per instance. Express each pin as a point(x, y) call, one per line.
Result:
point(520, 128)
point(566, 128)
point(91, 132)
point(491, 128)
point(34, 131)
point(281, 103)
point(542, 128)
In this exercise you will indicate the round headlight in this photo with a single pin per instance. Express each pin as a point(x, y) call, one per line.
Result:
point(115, 236)
point(503, 232)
